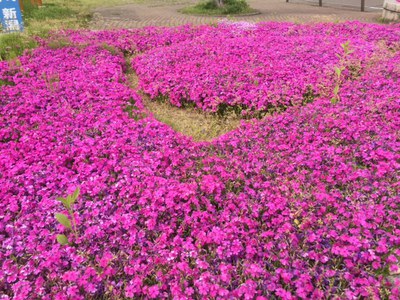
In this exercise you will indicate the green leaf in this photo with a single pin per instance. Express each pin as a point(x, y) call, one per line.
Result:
point(336, 90)
point(64, 201)
point(75, 195)
point(338, 71)
point(62, 239)
point(334, 100)
point(63, 219)
point(68, 202)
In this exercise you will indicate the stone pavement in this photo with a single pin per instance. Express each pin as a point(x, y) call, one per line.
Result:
point(166, 13)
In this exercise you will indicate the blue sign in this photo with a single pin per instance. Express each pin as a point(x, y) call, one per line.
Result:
point(10, 16)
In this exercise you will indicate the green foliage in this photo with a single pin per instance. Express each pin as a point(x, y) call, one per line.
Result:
point(346, 49)
point(133, 111)
point(4, 82)
point(63, 219)
point(49, 11)
point(59, 43)
point(62, 239)
point(29, 7)
point(13, 45)
point(53, 15)
point(111, 49)
point(210, 7)
point(70, 199)
point(235, 6)
point(309, 96)
point(339, 70)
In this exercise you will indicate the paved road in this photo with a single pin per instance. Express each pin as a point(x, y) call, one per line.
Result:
point(165, 13)
point(370, 5)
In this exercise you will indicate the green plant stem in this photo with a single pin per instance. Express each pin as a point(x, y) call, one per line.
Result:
point(74, 226)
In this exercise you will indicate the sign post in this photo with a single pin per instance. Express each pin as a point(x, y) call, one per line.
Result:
point(10, 16)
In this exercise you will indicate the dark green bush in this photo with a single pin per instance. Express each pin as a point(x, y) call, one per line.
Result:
point(210, 7)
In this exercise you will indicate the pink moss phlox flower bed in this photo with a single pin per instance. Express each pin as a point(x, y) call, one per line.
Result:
point(302, 204)
point(257, 67)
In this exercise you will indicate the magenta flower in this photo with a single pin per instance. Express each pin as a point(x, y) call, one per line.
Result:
point(299, 203)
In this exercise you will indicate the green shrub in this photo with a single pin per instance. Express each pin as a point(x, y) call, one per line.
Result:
point(210, 8)
point(235, 6)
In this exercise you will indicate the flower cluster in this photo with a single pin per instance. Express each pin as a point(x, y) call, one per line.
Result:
point(253, 67)
point(302, 204)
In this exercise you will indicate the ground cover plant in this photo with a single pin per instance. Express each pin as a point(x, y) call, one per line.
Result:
point(102, 201)
point(218, 7)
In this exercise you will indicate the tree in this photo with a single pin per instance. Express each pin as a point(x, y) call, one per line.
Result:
point(219, 3)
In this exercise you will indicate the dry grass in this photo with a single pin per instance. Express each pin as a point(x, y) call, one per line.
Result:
point(191, 122)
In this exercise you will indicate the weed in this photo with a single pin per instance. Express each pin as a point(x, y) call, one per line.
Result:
point(63, 219)
point(5, 82)
point(110, 49)
point(339, 70)
point(50, 11)
point(133, 111)
point(59, 43)
point(13, 45)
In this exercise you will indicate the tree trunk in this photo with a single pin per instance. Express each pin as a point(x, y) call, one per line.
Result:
point(21, 5)
point(219, 3)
